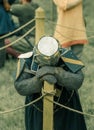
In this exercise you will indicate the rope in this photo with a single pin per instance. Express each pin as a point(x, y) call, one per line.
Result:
point(44, 94)
point(47, 21)
point(64, 35)
point(17, 29)
point(70, 38)
point(50, 92)
point(70, 109)
point(90, 37)
point(9, 111)
point(68, 27)
point(18, 39)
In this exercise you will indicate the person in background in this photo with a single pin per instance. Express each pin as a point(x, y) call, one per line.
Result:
point(24, 11)
point(70, 29)
point(67, 82)
point(6, 25)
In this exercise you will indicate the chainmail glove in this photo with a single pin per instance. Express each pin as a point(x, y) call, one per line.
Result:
point(64, 78)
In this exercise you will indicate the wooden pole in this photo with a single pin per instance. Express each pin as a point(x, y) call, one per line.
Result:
point(47, 106)
point(40, 29)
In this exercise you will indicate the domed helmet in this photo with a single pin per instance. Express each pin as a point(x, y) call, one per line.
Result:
point(46, 52)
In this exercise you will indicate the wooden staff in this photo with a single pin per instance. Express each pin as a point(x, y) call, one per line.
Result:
point(47, 106)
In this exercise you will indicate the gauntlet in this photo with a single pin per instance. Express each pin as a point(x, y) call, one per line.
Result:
point(64, 78)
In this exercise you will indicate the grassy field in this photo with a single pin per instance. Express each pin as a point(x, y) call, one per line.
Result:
point(10, 99)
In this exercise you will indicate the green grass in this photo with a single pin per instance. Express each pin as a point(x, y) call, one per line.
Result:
point(87, 89)
point(10, 99)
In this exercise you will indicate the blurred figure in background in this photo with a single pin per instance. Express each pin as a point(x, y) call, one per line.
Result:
point(25, 11)
point(70, 28)
point(6, 26)
point(71, 33)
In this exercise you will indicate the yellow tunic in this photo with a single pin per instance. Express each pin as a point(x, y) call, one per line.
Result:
point(70, 28)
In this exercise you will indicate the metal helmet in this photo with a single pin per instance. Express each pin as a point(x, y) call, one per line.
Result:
point(46, 52)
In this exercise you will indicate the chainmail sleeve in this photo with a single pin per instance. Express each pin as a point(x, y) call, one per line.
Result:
point(27, 83)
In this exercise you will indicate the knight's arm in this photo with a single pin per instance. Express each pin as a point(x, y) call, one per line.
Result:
point(72, 81)
point(67, 4)
point(26, 83)
point(71, 77)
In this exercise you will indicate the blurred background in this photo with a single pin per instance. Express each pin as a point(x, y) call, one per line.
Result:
point(10, 99)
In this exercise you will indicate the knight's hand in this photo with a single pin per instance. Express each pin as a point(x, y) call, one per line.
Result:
point(64, 78)
point(50, 73)
point(49, 78)
point(45, 70)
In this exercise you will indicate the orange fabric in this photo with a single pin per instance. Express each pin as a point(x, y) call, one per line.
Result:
point(70, 43)
point(70, 28)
